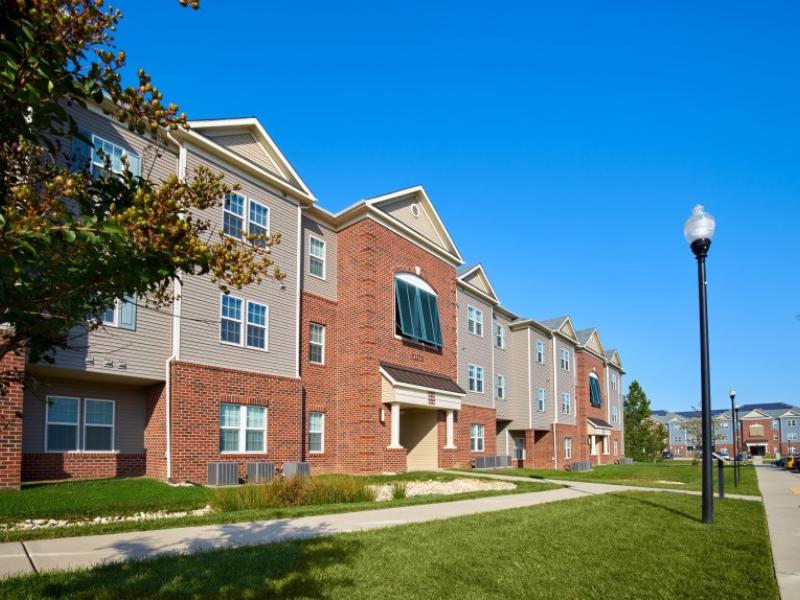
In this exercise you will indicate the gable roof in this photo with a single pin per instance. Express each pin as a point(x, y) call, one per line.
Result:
point(247, 139)
point(475, 277)
point(612, 357)
point(590, 339)
point(561, 325)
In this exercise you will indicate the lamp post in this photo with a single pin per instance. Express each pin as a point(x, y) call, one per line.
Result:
point(698, 231)
point(739, 431)
point(732, 394)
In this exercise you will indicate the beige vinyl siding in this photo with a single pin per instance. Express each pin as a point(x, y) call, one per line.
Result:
point(327, 287)
point(475, 280)
point(246, 146)
point(145, 349)
point(476, 350)
point(502, 363)
point(130, 405)
point(542, 377)
point(565, 382)
point(400, 209)
point(418, 437)
point(615, 396)
point(200, 306)
point(518, 382)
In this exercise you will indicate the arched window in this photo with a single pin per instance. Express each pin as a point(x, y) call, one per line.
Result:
point(416, 310)
point(594, 390)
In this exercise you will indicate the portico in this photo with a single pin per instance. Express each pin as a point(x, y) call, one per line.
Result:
point(599, 432)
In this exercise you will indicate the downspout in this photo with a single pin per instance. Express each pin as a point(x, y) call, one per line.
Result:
point(555, 405)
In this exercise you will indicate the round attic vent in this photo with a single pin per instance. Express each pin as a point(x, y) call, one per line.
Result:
point(415, 210)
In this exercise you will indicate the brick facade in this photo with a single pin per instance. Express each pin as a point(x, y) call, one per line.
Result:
point(462, 456)
point(12, 368)
point(155, 432)
point(587, 363)
point(49, 466)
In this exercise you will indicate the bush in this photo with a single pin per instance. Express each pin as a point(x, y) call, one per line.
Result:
point(398, 491)
point(294, 491)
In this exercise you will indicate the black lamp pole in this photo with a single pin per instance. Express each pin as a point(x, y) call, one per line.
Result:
point(733, 431)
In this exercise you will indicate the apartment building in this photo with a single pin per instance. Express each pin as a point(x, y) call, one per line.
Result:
point(762, 429)
point(378, 352)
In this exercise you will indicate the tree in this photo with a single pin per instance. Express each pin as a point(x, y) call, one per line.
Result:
point(72, 241)
point(644, 437)
point(694, 433)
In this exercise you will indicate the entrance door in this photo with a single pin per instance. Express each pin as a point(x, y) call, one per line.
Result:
point(418, 436)
point(519, 451)
point(758, 450)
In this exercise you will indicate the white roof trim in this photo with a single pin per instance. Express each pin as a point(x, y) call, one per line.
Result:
point(481, 273)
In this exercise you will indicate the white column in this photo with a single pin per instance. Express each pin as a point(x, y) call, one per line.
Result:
point(450, 444)
point(395, 426)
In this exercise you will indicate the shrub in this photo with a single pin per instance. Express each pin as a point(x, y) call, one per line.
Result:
point(293, 491)
point(398, 490)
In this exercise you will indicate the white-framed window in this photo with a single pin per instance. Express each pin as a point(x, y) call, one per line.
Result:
point(316, 432)
point(242, 215)
point(500, 387)
point(243, 428)
point(776, 423)
point(475, 377)
point(475, 320)
point(98, 425)
point(316, 257)
point(121, 313)
point(567, 448)
point(565, 359)
point(234, 329)
point(103, 150)
point(499, 335)
point(566, 404)
point(614, 415)
point(540, 352)
point(541, 400)
point(476, 437)
point(791, 436)
point(724, 425)
point(791, 422)
point(62, 415)
point(616, 447)
point(316, 344)
point(614, 382)
point(678, 439)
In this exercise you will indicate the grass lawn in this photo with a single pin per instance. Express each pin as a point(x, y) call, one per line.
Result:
point(128, 496)
point(628, 545)
point(686, 476)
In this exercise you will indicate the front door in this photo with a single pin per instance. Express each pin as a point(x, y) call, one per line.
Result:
point(519, 451)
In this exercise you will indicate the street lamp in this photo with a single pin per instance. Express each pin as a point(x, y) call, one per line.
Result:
point(732, 394)
point(698, 231)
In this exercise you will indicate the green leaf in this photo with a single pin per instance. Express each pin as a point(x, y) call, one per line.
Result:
point(69, 235)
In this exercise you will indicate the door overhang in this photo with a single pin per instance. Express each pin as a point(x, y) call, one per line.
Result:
point(419, 389)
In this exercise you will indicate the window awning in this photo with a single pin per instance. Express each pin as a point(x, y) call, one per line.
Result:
point(595, 397)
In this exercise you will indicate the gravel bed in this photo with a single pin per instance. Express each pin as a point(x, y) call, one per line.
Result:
point(385, 492)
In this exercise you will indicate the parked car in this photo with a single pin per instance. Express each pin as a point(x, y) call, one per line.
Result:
point(779, 462)
point(790, 460)
point(743, 456)
point(666, 455)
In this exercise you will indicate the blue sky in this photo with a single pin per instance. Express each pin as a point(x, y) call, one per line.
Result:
point(563, 144)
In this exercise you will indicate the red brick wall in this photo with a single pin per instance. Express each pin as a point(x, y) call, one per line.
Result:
point(13, 368)
point(539, 449)
point(768, 433)
point(462, 456)
point(589, 363)
point(155, 432)
point(197, 392)
point(81, 465)
point(319, 381)
point(368, 257)
point(567, 431)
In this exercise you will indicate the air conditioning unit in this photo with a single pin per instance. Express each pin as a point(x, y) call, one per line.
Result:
point(223, 473)
point(258, 472)
point(581, 465)
point(503, 461)
point(625, 461)
point(296, 469)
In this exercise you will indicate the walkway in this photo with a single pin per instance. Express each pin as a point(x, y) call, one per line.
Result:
point(781, 492)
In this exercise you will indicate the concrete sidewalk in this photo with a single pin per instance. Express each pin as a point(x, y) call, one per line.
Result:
point(782, 506)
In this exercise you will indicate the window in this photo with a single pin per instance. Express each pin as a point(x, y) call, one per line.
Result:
point(595, 398)
point(723, 425)
point(243, 428)
point(791, 436)
point(500, 387)
point(565, 359)
point(316, 432)
point(476, 434)
point(62, 424)
point(316, 344)
point(614, 415)
point(541, 400)
point(475, 321)
point(566, 404)
point(499, 335)
point(234, 223)
point(121, 313)
point(678, 439)
point(257, 325)
point(416, 310)
point(475, 376)
point(540, 352)
point(616, 447)
point(316, 257)
point(776, 424)
point(231, 323)
point(102, 151)
point(614, 382)
point(567, 447)
point(791, 422)
point(98, 425)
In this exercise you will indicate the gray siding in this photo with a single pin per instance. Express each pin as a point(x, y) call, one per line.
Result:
point(541, 377)
point(326, 288)
point(146, 349)
point(246, 146)
point(519, 383)
point(475, 350)
point(401, 210)
point(565, 381)
point(503, 364)
point(615, 396)
point(200, 309)
point(129, 411)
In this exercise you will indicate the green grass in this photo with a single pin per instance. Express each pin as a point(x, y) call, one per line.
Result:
point(222, 517)
point(628, 545)
point(648, 475)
